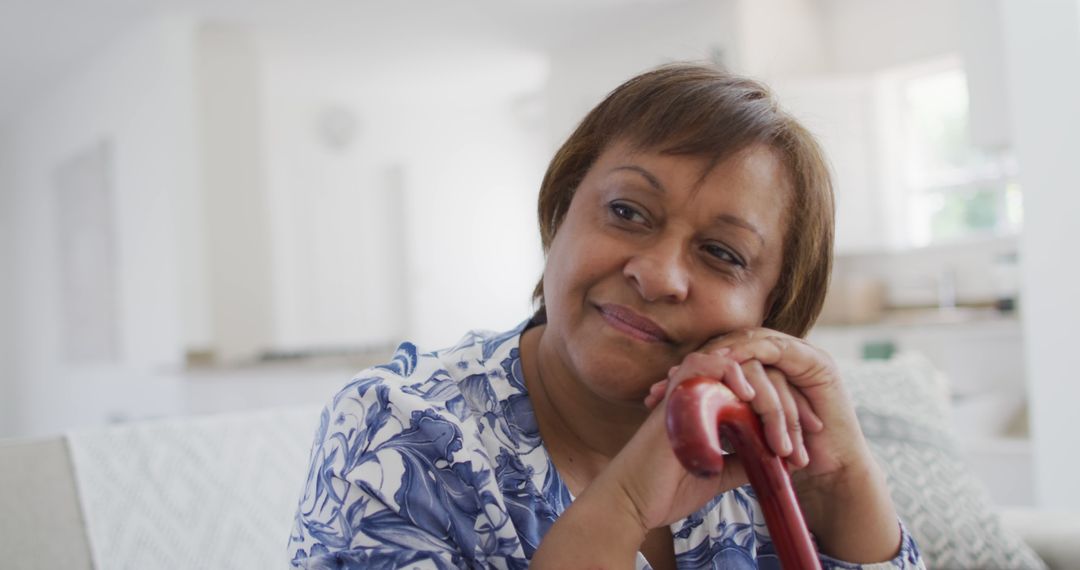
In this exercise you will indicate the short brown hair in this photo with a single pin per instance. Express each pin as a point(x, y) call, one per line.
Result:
point(699, 110)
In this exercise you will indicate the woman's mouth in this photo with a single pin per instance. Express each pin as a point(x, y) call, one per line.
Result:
point(631, 323)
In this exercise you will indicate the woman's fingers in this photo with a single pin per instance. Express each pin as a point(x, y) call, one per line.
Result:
point(735, 379)
point(778, 413)
point(771, 398)
point(719, 367)
point(657, 391)
point(802, 363)
point(798, 456)
point(713, 364)
point(810, 421)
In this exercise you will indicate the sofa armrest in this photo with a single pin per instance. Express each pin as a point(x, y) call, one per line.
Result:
point(1054, 535)
point(41, 522)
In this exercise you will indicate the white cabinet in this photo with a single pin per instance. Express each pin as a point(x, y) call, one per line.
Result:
point(983, 358)
point(979, 355)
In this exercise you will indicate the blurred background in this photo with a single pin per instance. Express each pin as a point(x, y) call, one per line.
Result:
point(216, 206)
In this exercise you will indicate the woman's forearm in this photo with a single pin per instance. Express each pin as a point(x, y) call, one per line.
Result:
point(855, 520)
point(597, 531)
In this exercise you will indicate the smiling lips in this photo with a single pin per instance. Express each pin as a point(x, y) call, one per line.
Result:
point(629, 322)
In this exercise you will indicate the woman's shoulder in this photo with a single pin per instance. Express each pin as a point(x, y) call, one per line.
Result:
point(442, 406)
point(468, 378)
point(412, 452)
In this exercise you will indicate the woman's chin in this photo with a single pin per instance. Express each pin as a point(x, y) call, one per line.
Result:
point(622, 379)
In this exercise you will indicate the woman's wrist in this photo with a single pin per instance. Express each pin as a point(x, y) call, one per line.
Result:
point(601, 529)
point(851, 514)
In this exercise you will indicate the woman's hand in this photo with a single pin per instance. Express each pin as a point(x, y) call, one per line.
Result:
point(808, 419)
point(654, 485)
point(784, 410)
point(643, 487)
point(666, 492)
point(806, 398)
point(841, 488)
point(814, 405)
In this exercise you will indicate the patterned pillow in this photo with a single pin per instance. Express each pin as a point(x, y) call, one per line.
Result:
point(903, 407)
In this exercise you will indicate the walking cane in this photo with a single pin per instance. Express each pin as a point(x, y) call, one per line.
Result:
point(700, 411)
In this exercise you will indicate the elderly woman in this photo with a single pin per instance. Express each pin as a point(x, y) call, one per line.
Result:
point(687, 225)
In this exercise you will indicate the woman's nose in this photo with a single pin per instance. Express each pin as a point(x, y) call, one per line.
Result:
point(659, 273)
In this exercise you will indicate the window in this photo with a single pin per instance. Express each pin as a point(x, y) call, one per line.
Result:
point(950, 189)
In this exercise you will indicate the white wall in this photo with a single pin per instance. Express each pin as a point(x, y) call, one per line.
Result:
point(839, 111)
point(8, 387)
point(863, 36)
point(451, 138)
point(867, 43)
point(228, 287)
point(474, 249)
point(137, 94)
point(1042, 50)
point(583, 72)
point(780, 38)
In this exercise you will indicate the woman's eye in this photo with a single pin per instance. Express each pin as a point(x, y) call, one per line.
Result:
point(626, 212)
point(723, 254)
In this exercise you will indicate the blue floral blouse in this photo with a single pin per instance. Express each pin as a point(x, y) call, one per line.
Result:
point(434, 460)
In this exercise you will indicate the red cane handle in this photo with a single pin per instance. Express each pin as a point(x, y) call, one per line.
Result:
point(700, 411)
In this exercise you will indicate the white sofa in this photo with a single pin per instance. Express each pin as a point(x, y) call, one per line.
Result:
point(220, 491)
point(203, 492)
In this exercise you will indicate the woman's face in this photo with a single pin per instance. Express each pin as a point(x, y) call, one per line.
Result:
point(652, 260)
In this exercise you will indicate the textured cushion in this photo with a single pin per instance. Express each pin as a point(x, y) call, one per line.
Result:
point(201, 492)
point(903, 407)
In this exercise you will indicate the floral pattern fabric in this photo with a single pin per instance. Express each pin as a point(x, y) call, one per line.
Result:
point(435, 460)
